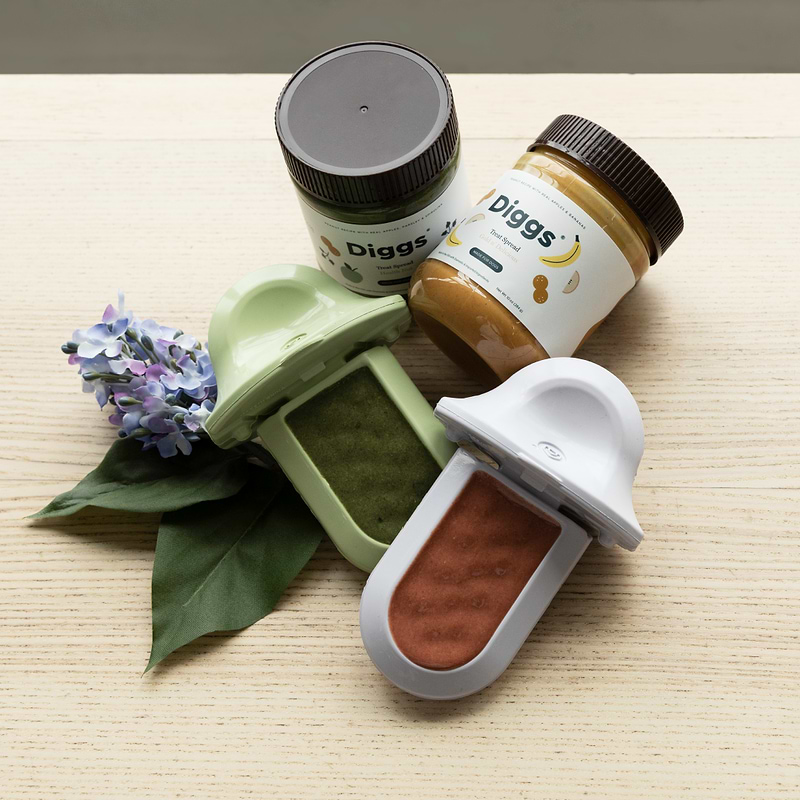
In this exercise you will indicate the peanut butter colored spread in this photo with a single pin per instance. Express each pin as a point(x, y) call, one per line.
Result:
point(468, 574)
point(483, 335)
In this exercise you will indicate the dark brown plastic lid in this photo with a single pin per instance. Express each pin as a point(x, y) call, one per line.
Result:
point(366, 124)
point(623, 169)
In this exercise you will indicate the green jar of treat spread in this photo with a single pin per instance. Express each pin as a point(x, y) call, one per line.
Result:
point(304, 364)
point(370, 137)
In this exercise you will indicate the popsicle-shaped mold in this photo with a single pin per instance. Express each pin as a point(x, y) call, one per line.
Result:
point(546, 462)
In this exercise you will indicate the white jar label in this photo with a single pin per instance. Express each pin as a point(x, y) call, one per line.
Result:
point(378, 260)
point(543, 257)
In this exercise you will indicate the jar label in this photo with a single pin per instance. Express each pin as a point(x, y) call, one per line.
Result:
point(543, 257)
point(378, 260)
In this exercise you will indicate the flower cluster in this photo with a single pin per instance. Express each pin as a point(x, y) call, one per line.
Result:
point(159, 379)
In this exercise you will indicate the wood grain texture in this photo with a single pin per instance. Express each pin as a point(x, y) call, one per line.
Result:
point(128, 107)
point(669, 672)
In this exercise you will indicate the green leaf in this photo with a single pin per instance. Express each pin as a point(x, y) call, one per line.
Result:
point(222, 566)
point(132, 479)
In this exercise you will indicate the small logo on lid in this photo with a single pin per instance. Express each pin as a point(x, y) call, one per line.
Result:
point(551, 451)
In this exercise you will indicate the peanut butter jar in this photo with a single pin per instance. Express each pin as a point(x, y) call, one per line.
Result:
point(534, 268)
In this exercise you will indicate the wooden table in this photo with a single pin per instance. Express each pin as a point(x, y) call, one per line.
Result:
point(671, 672)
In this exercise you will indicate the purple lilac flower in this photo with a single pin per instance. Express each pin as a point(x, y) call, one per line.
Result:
point(195, 420)
point(159, 379)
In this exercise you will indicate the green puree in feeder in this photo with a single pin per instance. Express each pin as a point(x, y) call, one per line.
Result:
point(367, 452)
point(304, 364)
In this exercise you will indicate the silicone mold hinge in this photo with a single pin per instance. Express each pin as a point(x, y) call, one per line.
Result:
point(605, 539)
point(535, 474)
point(475, 451)
point(579, 519)
point(311, 372)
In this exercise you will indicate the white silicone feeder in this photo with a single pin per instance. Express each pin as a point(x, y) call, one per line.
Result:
point(566, 436)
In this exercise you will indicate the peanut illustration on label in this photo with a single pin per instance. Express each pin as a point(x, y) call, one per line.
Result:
point(329, 245)
point(540, 283)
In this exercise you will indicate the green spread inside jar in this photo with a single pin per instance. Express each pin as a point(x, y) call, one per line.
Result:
point(370, 137)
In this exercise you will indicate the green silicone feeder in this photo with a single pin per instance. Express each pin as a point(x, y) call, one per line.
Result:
point(304, 364)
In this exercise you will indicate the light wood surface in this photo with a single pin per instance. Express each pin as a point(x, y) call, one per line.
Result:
point(671, 672)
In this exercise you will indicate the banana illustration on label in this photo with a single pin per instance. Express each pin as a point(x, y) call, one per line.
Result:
point(452, 240)
point(565, 259)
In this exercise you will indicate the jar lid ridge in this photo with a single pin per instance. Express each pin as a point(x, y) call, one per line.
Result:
point(623, 169)
point(379, 184)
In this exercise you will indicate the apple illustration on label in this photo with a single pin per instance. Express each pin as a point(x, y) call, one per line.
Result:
point(351, 273)
point(572, 283)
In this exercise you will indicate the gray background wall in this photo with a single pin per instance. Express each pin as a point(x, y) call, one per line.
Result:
point(461, 35)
